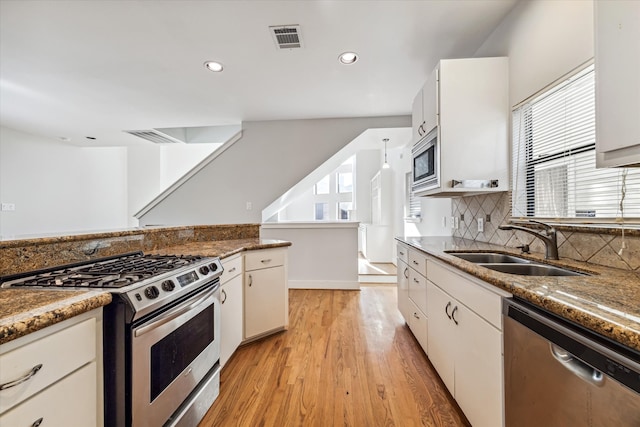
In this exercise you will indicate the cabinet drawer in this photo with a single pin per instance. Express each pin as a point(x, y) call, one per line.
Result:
point(418, 325)
point(418, 289)
point(232, 267)
point(402, 254)
point(59, 354)
point(483, 302)
point(418, 262)
point(255, 260)
point(69, 402)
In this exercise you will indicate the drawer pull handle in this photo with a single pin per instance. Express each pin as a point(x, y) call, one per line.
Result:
point(453, 314)
point(401, 253)
point(37, 422)
point(416, 280)
point(26, 377)
point(416, 315)
point(264, 261)
point(224, 294)
point(446, 310)
point(232, 270)
point(415, 262)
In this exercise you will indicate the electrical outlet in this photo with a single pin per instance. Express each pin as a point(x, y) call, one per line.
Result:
point(480, 225)
point(456, 223)
point(8, 207)
point(487, 218)
point(249, 206)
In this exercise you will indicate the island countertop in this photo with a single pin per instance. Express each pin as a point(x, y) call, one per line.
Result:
point(607, 301)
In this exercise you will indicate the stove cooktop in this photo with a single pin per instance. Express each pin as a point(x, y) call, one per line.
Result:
point(111, 273)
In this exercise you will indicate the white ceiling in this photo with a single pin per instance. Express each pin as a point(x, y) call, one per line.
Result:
point(95, 68)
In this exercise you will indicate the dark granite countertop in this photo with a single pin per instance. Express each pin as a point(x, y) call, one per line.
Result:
point(23, 311)
point(606, 302)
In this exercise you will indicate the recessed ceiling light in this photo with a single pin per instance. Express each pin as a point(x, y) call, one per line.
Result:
point(214, 66)
point(348, 57)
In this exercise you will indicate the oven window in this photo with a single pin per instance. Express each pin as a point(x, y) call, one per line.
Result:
point(424, 164)
point(171, 355)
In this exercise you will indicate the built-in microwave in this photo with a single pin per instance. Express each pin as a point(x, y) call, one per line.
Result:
point(424, 168)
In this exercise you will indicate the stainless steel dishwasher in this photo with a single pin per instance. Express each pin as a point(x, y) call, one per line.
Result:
point(559, 374)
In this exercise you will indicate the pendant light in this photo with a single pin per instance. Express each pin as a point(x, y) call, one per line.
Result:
point(385, 165)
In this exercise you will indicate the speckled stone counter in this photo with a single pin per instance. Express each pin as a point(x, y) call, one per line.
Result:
point(606, 302)
point(23, 311)
point(222, 248)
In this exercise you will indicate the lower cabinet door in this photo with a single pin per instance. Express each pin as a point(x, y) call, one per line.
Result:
point(418, 324)
point(441, 334)
point(403, 290)
point(478, 369)
point(265, 301)
point(231, 318)
point(71, 401)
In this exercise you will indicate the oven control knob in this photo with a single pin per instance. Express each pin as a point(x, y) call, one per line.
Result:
point(152, 292)
point(204, 270)
point(168, 285)
point(213, 266)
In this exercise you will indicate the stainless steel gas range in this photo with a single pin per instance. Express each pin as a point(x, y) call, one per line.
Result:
point(161, 333)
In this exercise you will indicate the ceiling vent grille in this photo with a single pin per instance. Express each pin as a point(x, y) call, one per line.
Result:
point(154, 136)
point(286, 36)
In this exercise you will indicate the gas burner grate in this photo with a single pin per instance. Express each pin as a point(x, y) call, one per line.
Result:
point(114, 272)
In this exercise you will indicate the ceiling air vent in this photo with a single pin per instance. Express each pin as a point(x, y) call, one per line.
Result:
point(286, 36)
point(154, 136)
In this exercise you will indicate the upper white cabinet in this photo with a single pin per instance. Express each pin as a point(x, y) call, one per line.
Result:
point(468, 100)
point(425, 108)
point(617, 61)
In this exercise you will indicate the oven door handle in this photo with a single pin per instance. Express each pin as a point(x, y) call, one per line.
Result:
point(174, 313)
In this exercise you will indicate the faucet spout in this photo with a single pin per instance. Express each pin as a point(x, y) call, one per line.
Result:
point(548, 236)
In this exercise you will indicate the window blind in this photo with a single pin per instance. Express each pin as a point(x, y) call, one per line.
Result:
point(554, 172)
point(414, 208)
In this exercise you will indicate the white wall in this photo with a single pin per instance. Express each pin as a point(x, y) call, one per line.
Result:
point(145, 177)
point(367, 165)
point(178, 159)
point(269, 159)
point(59, 188)
point(544, 40)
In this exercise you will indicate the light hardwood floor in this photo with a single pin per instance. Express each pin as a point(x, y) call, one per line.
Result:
point(348, 359)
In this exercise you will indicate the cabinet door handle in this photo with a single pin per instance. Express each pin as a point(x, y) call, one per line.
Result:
point(224, 294)
point(250, 280)
point(446, 310)
point(22, 379)
point(453, 314)
point(232, 270)
point(37, 422)
point(406, 272)
point(264, 261)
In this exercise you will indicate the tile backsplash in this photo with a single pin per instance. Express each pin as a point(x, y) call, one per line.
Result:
point(593, 247)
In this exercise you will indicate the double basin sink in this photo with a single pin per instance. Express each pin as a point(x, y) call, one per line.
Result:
point(514, 265)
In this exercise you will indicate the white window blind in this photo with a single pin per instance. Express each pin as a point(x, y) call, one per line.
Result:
point(413, 206)
point(554, 172)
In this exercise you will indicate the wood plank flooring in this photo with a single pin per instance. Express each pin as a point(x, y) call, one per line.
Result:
point(348, 359)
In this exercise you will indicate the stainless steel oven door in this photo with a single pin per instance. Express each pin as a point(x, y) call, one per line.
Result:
point(171, 354)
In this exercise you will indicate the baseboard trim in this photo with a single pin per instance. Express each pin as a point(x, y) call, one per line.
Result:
point(324, 284)
point(372, 278)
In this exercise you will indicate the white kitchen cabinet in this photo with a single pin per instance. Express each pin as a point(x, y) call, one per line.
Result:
point(412, 291)
point(468, 99)
point(465, 342)
point(617, 62)
point(231, 307)
point(265, 292)
point(64, 362)
point(424, 110)
point(403, 282)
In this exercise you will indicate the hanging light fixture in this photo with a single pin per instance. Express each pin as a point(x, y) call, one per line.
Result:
point(385, 165)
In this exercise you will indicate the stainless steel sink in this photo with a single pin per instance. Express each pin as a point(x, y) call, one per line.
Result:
point(533, 270)
point(489, 257)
